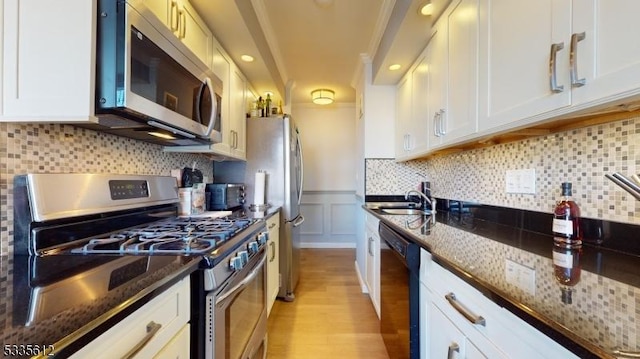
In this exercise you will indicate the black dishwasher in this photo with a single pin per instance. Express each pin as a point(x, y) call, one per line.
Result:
point(399, 294)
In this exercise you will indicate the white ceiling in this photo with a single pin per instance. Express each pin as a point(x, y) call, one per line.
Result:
point(309, 44)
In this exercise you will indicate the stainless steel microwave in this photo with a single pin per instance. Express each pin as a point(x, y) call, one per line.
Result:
point(149, 85)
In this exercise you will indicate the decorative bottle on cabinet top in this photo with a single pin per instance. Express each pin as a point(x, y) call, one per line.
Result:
point(566, 219)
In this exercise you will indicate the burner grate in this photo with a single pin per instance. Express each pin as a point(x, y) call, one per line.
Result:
point(169, 236)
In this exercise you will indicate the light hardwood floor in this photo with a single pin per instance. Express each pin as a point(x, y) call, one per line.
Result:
point(330, 316)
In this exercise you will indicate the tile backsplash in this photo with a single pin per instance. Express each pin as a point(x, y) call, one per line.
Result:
point(55, 148)
point(581, 156)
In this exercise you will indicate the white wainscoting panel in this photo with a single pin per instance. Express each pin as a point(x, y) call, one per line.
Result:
point(330, 219)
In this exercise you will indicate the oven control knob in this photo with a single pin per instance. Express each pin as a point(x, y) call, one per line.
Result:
point(253, 247)
point(262, 238)
point(244, 257)
point(235, 264)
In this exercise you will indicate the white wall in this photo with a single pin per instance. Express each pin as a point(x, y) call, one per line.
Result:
point(328, 141)
point(328, 136)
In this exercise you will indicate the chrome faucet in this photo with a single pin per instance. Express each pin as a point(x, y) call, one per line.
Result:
point(424, 199)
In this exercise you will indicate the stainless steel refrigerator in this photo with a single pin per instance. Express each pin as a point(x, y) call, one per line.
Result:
point(273, 146)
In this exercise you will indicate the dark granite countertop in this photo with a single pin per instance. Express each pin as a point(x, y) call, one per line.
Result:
point(43, 303)
point(602, 314)
point(48, 302)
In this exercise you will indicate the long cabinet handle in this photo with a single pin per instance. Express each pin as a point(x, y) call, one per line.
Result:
point(152, 330)
point(273, 251)
point(473, 318)
point(626, 354)
point(573, 60)
point(174, 22)
point(443, 128)
point(555, 88)
point(183, 24)
point(453, 347)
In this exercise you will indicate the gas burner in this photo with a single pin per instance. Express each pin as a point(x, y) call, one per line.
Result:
point(169, 236)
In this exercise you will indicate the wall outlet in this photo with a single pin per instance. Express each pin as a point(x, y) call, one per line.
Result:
point(521, 276)
point(521, 181)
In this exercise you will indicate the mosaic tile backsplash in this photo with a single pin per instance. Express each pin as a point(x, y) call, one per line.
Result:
point(581, 156)
point(54, 148)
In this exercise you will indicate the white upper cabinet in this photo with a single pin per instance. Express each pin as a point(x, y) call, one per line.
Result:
point(412, 119)
point(403, 118)
point(575, 55)
point(453, 62)
point(47, 60)
point(607, 57)
point(238, 113)
point(183, 21)
point(519, 40)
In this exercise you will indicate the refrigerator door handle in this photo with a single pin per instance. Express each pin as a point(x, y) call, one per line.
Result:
point(298, 220)
point(301, 158)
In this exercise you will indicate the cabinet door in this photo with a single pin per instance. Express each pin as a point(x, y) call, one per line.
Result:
point(437, 100)
point(608, 58)
point(419, 123)
point(373, 262)
point(273, 264)
point(48, 60)
point(403, 117)
point(238, 120)
point(222, 69)
point(461, 116)
point(516, 39)
point(193, 32)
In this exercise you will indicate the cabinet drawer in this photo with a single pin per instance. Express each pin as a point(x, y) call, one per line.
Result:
point(510, 334)
point(170, 310)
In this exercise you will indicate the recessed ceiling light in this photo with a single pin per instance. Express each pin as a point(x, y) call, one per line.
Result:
point(426, 9)
point(395, 67)
point(247, 58)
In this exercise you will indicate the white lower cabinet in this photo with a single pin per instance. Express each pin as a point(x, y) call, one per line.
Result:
point(159, 329)
point(457, 321)
point(273, 260)
point(372, 262)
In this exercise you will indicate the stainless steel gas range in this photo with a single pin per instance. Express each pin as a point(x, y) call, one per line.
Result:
point(114, 228)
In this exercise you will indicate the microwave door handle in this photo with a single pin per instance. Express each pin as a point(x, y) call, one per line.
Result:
point(214, 104)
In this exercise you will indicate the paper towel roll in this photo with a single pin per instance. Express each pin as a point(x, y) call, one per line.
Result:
point(258, 195)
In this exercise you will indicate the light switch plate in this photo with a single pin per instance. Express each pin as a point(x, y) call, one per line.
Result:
point(521, 181)
point(521, 276)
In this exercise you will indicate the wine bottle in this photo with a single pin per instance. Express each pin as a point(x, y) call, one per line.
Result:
point(566, 218)
point(566, 268)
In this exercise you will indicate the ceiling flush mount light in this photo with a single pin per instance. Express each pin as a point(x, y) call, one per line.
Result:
point(426, 8)
point(322, 96)
point(394, 67)
point(247, 58)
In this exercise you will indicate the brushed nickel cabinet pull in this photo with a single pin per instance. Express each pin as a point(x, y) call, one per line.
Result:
point(626, 354)
point(555, 88)
point(473, 318)
point(453, 347)
point(573, 60)
point(152, 330)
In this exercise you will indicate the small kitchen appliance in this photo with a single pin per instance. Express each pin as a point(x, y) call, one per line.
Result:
point(114, 228)
point(225, 196)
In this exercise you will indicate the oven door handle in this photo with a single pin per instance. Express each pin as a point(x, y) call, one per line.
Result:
point(244, 282)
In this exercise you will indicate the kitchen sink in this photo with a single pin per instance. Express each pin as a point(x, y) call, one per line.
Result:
point(405, 211)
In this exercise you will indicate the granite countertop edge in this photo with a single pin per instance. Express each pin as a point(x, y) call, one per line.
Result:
point(546, 325)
